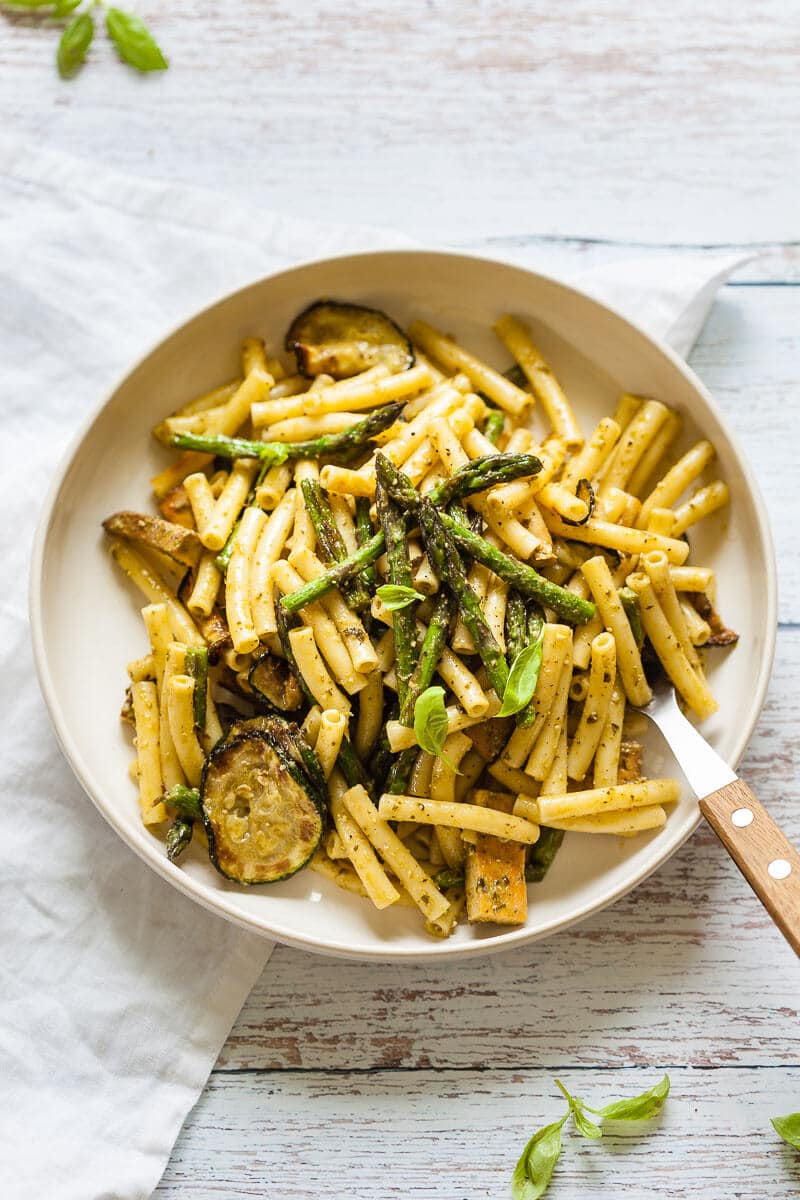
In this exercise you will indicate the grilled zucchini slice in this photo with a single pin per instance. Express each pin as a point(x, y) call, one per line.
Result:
point(261, 814)
point(333, 338)
point(273, 679)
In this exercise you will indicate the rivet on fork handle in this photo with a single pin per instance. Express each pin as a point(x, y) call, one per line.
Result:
point(769, 862)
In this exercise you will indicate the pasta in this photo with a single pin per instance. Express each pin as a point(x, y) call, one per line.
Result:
point(384, 546)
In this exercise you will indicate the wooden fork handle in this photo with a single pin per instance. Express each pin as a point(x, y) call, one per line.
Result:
point(767, 859)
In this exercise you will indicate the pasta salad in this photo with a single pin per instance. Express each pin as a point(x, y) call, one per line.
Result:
point(401, 611)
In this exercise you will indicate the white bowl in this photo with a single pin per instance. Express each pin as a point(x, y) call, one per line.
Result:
point(86, 622)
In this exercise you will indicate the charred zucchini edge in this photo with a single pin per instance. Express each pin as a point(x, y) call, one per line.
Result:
point(300, 340)
point(223, 862)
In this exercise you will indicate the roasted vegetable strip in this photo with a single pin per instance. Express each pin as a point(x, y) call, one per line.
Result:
point(405, 624)
point(329, 444)
point(448, 566)
point(179, 543)
point(330, 541)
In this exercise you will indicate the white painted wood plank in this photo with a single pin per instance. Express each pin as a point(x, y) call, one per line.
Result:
point(687, 969)
point(749, 356)
point(457, 1135)
point(649, 123)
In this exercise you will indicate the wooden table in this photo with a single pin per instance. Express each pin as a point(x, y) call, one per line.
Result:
point(573, 134)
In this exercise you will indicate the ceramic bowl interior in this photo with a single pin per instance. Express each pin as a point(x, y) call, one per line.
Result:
point(84, 613)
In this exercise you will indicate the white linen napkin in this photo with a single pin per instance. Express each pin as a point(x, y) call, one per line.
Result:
point(118, 992)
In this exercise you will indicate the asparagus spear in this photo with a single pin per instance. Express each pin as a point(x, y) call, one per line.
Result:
point(335, 576)
point(543, 853)
point(480, 477)
point(534, 620)
point(400, 772)
point(564, 603)
point(223, 559)
point(184, 801)
point(448, 878)
point(382, 757)
point(629, 600)
point(516, 625)
point(432, 645)
point(405, 622)
point(281, 620)
point(277, 452)
point(352, 767)
point(475, 476)
point(197, 666)
point(363, 534)
point(493, 426)
point(179, 835)
point(447, 563)
point(330, 541)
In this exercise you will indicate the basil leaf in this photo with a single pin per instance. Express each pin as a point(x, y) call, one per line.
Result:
point(534, 1170)
point(134, 42)
point(430, 720)
point(522, 678)
point(395, 596)
point(639, 1108)
point(584, 1126)
point(64, 7)
point(75, 42)
point(788, 1128)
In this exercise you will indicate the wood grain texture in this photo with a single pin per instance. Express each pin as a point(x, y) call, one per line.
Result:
point(450, 118)
point(564, 136)
point(761, 852)
point(456, 1135)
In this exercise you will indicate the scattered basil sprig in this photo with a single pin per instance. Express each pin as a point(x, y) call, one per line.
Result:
point(134, 42)
point(74, 45)
point(522, 678)
point(395, 596)
point(430, 720)
point(537, 1162)
point(788, 1128)
point(534, 1170)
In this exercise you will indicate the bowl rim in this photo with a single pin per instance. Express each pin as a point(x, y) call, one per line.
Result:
point(218, 903)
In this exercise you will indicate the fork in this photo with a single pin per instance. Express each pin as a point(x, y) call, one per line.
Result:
point(766, 858)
